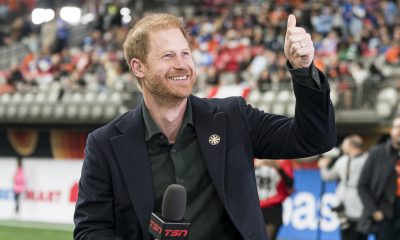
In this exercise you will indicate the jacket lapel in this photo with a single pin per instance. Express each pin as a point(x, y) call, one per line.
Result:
point(211, 134)
point(132, 156)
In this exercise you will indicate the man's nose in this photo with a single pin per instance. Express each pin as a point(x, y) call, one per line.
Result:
point(179, 62)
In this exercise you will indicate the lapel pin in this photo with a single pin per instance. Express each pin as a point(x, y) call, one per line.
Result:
point(214, 139)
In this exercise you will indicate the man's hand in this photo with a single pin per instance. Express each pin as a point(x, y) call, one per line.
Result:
point(299, 48)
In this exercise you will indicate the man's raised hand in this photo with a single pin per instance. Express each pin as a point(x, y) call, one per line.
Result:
point(299, 48)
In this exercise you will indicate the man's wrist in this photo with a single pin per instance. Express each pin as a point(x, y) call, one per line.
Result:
point(304, 75)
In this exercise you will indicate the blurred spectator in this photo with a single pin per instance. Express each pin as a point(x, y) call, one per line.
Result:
point(62, 35)
point(360, 76)
point(379, 188)
point(13, 80)
point(48, 34)
point(345, 87)
point(281, 78)
point(393, 53)
point(260, 64)
point(323, 21)
point(347, 169)
point(15, 75)
point(275, 182)
point(19, 184)
point(7, 86)
point(264, 82)
point(32, 42)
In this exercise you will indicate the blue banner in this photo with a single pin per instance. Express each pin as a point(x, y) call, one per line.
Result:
point(307, 212)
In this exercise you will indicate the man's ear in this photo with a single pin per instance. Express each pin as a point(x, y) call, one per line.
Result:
point(137, 68)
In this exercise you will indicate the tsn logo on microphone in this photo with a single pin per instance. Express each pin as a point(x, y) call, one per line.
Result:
point(176, 233)
point(155, 227)
point(165, 230)
point(168, 232)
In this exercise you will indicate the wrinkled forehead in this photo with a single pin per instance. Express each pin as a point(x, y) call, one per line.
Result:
point(163, 39)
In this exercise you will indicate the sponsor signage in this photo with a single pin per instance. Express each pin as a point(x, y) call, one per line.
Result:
point(50, 193)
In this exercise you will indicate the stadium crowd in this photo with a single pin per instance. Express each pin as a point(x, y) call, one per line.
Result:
point(234, 43)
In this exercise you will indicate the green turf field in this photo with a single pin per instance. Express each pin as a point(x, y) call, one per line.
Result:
point(15, 230)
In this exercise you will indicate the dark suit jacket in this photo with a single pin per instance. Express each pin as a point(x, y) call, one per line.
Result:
point(373, 182)
point(116, 191)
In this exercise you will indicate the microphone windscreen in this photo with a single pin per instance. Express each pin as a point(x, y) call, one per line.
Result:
point(174, 202)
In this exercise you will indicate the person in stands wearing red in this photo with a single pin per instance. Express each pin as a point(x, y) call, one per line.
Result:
point(274, 183)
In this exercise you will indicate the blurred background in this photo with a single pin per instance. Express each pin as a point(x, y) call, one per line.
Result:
point(63, 74)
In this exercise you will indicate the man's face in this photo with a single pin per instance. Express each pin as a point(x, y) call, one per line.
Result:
point(170, 70)
point(395, 132)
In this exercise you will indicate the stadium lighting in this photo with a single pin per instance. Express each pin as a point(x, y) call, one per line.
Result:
point(126, 19)
point(126, 15)
point(71, 15)
point(41, 15)
point(125, 11)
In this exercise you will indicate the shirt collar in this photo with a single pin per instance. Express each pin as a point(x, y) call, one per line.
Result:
point(151, 127)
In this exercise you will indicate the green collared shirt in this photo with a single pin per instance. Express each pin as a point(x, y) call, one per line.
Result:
point(182, 163)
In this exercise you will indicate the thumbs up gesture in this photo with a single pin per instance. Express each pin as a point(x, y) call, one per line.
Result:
point(299, 48)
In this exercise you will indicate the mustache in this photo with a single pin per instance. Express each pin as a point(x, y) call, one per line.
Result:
point(180, 73)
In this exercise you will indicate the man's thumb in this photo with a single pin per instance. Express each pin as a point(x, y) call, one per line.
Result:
point(291, 21)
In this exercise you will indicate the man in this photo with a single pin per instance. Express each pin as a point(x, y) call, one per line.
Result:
point(379, 188)
point(347, 169)
point(206, 145)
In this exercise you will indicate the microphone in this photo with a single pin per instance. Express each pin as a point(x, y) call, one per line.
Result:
point(169, 225)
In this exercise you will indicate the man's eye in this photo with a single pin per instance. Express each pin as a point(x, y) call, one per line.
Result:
point(168, 56)
point(186, 54)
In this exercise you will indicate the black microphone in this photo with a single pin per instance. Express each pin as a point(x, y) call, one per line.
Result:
point(169, 225)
